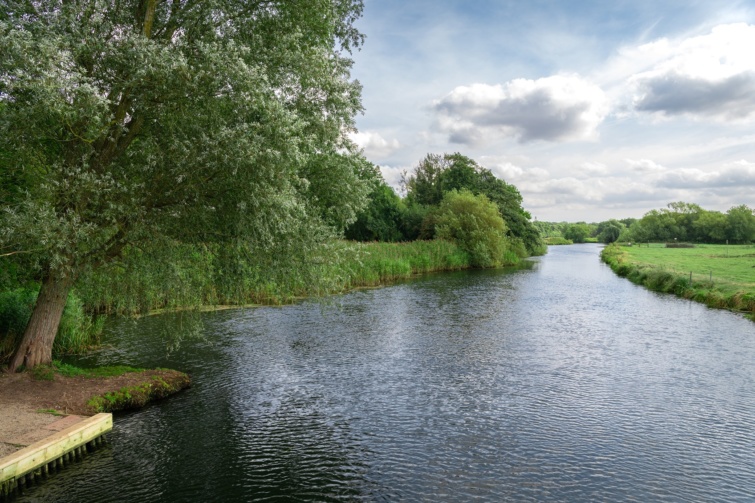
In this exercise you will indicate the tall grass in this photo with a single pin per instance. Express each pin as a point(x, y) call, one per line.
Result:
point(372, 264)
point(718, 276)
point(187, 276)
point(78, 329)
point(172, 276)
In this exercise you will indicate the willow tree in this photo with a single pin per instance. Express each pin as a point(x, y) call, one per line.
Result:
point(131, 120)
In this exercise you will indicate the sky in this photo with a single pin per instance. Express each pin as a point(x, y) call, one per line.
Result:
point(592, 109)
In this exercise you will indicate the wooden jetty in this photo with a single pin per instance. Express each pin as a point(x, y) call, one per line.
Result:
point(22, 468)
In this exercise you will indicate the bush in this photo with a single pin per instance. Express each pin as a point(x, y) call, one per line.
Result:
point(475, 225)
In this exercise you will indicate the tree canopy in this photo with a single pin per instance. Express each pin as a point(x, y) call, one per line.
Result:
point(125, 121)
point(474, 223)
point(682, 221)
point(436, 175)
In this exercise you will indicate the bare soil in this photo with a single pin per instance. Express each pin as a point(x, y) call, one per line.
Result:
point(29, 406)
point(69, 395)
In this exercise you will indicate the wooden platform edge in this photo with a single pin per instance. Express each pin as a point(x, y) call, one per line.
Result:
point(58, 444)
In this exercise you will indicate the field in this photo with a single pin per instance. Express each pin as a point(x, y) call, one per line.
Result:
point(717, 275)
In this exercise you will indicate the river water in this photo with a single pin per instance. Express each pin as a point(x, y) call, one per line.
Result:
point(557, 382)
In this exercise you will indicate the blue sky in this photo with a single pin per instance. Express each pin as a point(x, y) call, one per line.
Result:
point(593, 109)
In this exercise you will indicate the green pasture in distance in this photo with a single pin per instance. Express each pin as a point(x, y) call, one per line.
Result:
point(730, 266)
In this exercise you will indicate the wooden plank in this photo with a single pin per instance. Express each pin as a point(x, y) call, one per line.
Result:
point(38, 454)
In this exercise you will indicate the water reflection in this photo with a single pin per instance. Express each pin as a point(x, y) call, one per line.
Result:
point(558, 382)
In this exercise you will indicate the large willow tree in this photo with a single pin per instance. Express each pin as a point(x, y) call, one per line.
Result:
point(123, 121)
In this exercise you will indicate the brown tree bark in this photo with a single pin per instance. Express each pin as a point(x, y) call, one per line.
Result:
point(36, 345)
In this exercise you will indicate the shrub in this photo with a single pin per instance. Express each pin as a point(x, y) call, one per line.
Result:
point(475, 225)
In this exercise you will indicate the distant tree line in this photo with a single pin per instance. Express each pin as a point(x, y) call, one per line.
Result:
point(679, 221)
point(682, 221)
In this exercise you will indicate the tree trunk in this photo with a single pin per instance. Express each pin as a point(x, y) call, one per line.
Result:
point(36, 346)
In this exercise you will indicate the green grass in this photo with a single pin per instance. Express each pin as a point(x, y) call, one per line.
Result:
point(68, 370)
point(179, 276)
point(371, 264)
point(204, 276)
point(732, 268)
point(50, 411)
point(78, 330)
point(721, 276)
point(557, 240)
point(48, 372)
point(139, 395)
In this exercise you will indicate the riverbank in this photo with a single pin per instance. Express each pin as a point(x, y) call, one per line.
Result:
point(192, 277)
point(718, 276)
point(44, 419)
point(31, 401)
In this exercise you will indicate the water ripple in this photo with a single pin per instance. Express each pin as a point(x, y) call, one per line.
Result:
point(557, 383)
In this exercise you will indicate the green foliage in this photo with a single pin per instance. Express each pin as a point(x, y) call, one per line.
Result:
point(139, 395)
point(382, 219)
point(412, 221)
point(378, 263)
point(550, 229)
point(437, 175)
point(78, 330)
point(15, 310)
point(68, 370)
point(475, 224)
point(48, 372)
point(125, 123)
point(740, 224)
point(425, 185)
point(338, 187)
point(689, 222)
point(577, 233)
point(609, 231)
point(43, 373)
point(188, 276)
point(719, 276)
point(557, 241)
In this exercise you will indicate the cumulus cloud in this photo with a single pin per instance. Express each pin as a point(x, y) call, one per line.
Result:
point(644, 165)
point(511, 173)
point(392, 175)
point(593, 169)
point(374, 145)
point(709, 76)
point(737, 174)
point(556, 108)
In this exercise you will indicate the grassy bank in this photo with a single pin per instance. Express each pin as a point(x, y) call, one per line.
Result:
point(191, 277)
point(557, 240)
point(719, 276)
point(176, 276)
point(62, 389)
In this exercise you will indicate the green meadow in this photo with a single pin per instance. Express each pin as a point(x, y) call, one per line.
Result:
point(720, 276)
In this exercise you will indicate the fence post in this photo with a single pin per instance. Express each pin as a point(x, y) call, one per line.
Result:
point(690, 278)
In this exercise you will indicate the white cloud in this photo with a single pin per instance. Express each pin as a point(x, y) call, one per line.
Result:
point(737, 174)
point(392, 175)
point(708, 76)
point(644, 165)
point(374, 145)
point(511, 173)
point(556, 108)
point(593, 169)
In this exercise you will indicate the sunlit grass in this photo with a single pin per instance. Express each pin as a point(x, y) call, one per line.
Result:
point(730, 267)
point(721, 276)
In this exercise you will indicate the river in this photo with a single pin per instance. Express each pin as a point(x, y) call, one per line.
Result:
point(556, 382)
